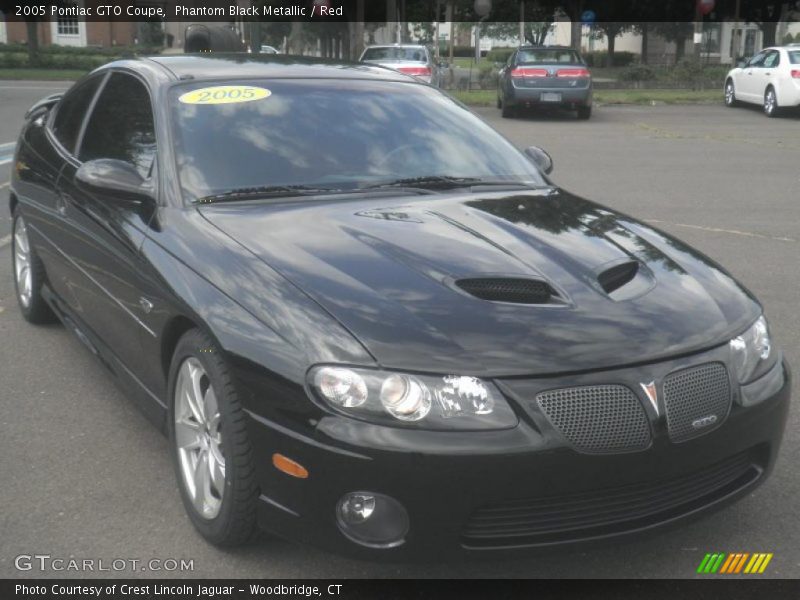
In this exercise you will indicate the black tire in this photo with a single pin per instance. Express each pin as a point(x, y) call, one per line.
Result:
point(235, 523)
point(507, 112)
point(770, 106)
point(730, 94)
point(499, 101)
point(584, 112)
point(36, 310)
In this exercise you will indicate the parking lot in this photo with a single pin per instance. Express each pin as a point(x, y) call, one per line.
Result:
point(85, 475)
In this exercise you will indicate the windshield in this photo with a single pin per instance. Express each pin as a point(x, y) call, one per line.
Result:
point(794, 57)
point(333, 134)
point(395, 53)
point(547, 55)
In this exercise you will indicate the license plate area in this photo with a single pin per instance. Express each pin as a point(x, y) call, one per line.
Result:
point(550, 97)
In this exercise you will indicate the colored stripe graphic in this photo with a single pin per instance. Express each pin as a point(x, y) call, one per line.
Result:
point(734, 563)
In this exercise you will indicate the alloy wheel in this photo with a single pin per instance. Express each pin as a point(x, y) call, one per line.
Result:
point(770, 102)
point(730, 96)
point(22, 263)
point(198, 437)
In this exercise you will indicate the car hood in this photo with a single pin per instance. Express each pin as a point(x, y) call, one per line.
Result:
point(386, 269)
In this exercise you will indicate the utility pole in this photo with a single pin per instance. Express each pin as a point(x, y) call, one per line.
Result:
point(698, 31)
point(437, 16)
point(737, 33)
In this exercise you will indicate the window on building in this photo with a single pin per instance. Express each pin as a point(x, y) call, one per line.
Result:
point(712, 34)
point(68, 25)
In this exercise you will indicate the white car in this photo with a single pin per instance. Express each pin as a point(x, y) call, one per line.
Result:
point(771, 78)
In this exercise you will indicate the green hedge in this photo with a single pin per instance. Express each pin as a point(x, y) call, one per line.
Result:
point(82, 50)
point(600, 59)
point(20, 60)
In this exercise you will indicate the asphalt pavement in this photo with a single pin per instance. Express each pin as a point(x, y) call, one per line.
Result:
point(86, 476)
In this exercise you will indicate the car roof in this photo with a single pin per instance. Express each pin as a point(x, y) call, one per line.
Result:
point(243, 66)
point(546, 48)
point(395, 46)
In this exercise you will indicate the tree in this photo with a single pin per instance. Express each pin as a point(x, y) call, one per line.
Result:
point(611, 30)
point(674, 31)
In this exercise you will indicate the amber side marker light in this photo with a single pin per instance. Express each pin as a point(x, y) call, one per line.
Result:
point(288, 466)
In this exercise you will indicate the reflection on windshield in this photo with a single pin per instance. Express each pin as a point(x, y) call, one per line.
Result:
point(336, 134)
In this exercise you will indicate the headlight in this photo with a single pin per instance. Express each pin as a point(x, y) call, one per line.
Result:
point(410, 400)
point(751, 352)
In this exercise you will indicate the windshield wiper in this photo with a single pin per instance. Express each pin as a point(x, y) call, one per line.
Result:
point(268, 191)
point(445, 182)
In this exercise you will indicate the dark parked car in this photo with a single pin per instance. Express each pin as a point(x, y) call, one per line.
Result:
point(545, 76)
point(368, 322)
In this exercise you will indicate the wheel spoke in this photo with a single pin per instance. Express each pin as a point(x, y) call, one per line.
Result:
point(196, 392)
point(202, 482)
point(188, 434)
point(210, 408)
point(217, 475)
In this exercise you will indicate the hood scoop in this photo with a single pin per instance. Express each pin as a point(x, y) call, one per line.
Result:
point(626, 280)
point(614, 278)
point(510, 289)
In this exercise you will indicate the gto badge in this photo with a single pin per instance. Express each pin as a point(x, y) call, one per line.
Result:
point(652, 394)
point(704, 421)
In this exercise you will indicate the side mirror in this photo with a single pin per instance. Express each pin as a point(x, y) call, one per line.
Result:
point(741, 63)
point(116, 180)
point(540, 158)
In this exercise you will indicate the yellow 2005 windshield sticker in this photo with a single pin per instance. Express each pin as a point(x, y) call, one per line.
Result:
point(225, 94)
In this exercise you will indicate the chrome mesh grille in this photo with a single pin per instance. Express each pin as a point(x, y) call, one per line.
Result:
point(597, 418)
point(694, 394)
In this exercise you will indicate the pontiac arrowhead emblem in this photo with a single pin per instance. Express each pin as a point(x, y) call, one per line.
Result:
point(652, 393)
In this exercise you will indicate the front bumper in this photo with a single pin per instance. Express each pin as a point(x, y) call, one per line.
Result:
point(479, 493)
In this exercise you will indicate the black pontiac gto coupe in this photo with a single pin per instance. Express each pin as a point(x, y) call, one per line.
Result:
point(369, 323)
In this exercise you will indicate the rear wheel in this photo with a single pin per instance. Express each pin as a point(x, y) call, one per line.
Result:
point(584, 112)
point(730, 94)
point(507, 112)
point(210, 448)
point(29, 275)
point(771, 108)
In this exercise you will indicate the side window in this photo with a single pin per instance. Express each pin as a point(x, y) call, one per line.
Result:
point(757, 60)
point(121, 125)
point(71, 110)
point(772, 60)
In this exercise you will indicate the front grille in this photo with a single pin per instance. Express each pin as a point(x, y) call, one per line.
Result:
point(504, 289)
point(597, 418)
point(697, 400)
point(579, 516)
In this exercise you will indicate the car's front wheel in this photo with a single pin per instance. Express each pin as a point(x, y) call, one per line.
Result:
point(210, 448)
point(730, 94)
point(29, 274)
point(771, 108)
